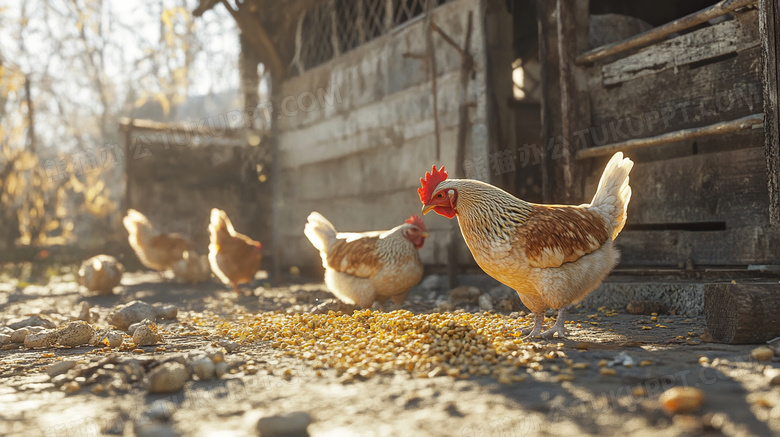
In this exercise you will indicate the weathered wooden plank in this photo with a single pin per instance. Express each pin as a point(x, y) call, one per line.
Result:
point(550, 90)
point(673, 248)
point(669, 101)
point(710, 42)
point(658, 33)
point(725, 187)
point(722, 128)
point(387, 122)
point(575, 103)
point(769, 25)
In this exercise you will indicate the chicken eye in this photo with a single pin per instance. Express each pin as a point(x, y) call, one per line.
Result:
point(439, 195)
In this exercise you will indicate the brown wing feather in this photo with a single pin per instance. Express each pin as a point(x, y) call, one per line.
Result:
point(555, 235)
point(356, 257)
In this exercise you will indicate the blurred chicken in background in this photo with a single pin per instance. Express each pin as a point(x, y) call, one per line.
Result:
point(155, 250)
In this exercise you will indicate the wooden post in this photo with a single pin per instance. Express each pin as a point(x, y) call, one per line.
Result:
point(466, 67)
point(575, 112)
point(742, 313)
point(432, 71)
point(546, 58)
point(769, 29)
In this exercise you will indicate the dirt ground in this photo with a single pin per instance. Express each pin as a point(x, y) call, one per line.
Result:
point(543, 399)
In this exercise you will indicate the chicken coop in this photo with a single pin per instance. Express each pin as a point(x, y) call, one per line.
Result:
point(175, 173)
point(532, 96)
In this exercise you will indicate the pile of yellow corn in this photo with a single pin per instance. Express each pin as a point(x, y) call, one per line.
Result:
point(366, 343)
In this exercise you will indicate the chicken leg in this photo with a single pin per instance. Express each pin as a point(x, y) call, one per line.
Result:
point(536, 330)
point(559, 326)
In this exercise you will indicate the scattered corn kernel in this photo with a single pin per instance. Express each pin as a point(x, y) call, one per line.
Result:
point(681, 399)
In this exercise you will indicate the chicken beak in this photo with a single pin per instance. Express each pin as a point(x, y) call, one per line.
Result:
point(425, 235)
point(427, 208)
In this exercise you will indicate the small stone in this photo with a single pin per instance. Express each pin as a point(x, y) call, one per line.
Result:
point(762, 353)
point(167, 378)
point(775, 380)
point(152, 429)
point(583, 346)
point(681, 400)
point(42, 339)
point(125, 315)
point(221, 368)
point(19, 335)
point(485, 303)
point(229, 346)
point(147, 335)
point(60, 367)
point(161, 410)
point(288, 425)
point(36, 320)
point(5, 339)
point(464, 294)
point(76, 334)
point(204, 368)
point(113, 339)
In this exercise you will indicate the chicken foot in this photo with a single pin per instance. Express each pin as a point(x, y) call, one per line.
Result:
point(536, 330)
point(559, 326)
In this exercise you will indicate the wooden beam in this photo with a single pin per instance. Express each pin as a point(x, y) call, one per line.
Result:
point(466, 67)
point(575, 107)
point(255, 33)
point(661, 32)
point(725, 127)
point(769, 29)
point(742, 313)
point(546, 57)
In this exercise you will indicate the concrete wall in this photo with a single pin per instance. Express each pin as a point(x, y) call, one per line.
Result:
point(359, 158)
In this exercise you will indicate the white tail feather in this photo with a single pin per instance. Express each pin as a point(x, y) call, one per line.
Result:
point(614, 193)
point(320, 232)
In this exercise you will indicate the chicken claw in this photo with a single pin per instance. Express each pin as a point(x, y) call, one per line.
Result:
point(559, 326)
point(536, 330)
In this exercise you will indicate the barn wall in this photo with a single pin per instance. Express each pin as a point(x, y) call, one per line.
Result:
point(357, 157)
point(702, 201)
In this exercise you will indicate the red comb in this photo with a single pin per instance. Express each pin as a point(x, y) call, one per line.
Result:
point(430, 182)
point(417, 221)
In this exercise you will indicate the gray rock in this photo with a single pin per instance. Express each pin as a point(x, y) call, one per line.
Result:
point(161, 410)
point(5, 339)
point(465, 295)
point(42, 339)
point(146, 334)
point(76, 334)
point(19, 335)
point(288, 425)
point(155, 430)
point(204, 368)
point(220, 369)
point(485, 303)
point(125, 315)
point(60, 367)
point(36, 320)
point(167, 378)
